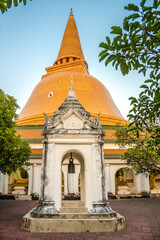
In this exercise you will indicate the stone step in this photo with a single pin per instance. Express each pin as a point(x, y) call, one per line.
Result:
point(71, 216)
point(74, 215)
point(73, 203)
point(73, 210)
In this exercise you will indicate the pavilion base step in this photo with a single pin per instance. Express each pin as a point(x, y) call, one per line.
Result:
point(73, 203)
point(81, 222)
point(73, 210)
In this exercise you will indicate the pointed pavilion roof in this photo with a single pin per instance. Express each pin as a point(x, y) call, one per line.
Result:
point(71, 102)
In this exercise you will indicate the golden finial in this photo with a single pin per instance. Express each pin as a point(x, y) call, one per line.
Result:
point(71, 13)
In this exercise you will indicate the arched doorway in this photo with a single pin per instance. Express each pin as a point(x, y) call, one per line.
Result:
point(18, 182)
point(73, 176)
point(125, 182)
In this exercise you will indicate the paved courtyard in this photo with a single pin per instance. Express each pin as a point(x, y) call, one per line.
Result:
point(142, 222)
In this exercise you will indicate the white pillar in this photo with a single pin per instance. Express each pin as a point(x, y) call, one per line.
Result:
point(77, 170)
point(30, 179)
point(65, 179)
point(112, 171)
point(39, 178)
point(137, 180)
point(145, 183)
point(5, 177)
point(83, 180)
point(1, 182)
point(48, 175)
point(35, 183)
point(108, 180)
point(48, 181)
point(98, 174)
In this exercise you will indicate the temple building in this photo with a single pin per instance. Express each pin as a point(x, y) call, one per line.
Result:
point(46, 98)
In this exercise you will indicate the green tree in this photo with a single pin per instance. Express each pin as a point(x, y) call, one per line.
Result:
point(144, 151)
point(6, 4)
point(14, 152)
point(136, 46)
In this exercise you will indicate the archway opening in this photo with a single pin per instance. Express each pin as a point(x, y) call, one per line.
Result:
point(125, 182)
point(73, 176)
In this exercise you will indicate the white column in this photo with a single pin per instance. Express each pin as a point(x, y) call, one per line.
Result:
point(98, 174)
point(137, 180)
point(1, 182)
point(82, 179)
point(39, 178)
point(30, 180)
point(145, 183)
point(77, 170)
point(65, 179)
point(108, 180)
point(5, 184)
point(57, 177)
point(49, 178)
point(112, 170)
point(49, 173)
point(35, 188)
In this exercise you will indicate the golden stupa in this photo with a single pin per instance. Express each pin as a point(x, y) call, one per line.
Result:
point(53, 88)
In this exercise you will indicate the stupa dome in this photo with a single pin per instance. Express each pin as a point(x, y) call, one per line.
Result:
point(52, 90)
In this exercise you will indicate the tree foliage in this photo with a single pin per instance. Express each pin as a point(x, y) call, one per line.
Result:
point(136, 46)
point(6, 4)
point(14, 152)
point(144, 151)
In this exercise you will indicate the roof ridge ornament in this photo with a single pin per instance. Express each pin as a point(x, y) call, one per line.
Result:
point(71, 92)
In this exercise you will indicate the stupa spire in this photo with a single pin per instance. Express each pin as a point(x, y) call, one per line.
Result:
point(70, 49)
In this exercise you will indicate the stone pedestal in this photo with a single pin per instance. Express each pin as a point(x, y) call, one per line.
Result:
point(155, 191)
point(44, 210)
point(101, 208)
point(19, 190)
point(123, 190)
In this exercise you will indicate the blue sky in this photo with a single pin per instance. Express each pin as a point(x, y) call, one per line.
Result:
point(30, 38)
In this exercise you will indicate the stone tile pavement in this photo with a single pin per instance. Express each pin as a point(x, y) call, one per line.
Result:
point(142, 222)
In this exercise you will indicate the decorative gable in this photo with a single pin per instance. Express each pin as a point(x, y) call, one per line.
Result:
point(73, 122)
